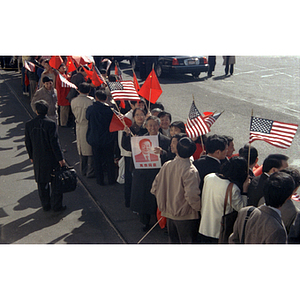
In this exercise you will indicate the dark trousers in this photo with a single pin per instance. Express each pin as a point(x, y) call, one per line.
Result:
point(227, 67)
point(183, 232)
point(128, 181)
point(104, 156)
point(47, 195)
point(203, 239)
point(87, 166)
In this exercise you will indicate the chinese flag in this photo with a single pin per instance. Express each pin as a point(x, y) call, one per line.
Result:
point(55, 61)
point(163, 221)
point(151, 89)
point(93, 76)
point(70, 64)
point(116, 124)
point(135, 82)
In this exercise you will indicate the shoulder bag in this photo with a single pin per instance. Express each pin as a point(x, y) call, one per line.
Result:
point(227, 220)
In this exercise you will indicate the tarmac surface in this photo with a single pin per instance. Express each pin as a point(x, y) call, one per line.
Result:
point(94, 215)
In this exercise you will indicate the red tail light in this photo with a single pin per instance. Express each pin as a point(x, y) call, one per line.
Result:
point(175, 62)
point(205, 60)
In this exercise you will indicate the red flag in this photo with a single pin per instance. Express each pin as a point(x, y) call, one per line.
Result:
point(82, 60)
point(116, 122)
point(55, 62)
point(135, 82)
point(151, 89)
point(26, 80)
point(93, 76)
point(163, 221)
point(70, 65)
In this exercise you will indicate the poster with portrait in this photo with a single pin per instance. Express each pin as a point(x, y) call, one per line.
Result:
point(143, 152)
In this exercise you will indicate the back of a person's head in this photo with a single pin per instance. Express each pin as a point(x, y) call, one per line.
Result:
point(100, 95)
point(157, 105)
point(41, 107)
point(112, 78)
point(273, 161)
point(186, 147)
point(278, 188)
point(294, 173)
point(84, 88)
point(215, 142)
point(244, 152)
point(235, 170)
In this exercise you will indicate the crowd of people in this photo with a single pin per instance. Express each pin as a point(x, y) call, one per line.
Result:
point(196, 174)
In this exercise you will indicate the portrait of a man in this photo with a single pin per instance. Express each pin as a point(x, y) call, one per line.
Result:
point(145, 155)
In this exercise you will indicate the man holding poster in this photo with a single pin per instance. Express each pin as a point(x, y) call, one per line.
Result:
point(142, 201)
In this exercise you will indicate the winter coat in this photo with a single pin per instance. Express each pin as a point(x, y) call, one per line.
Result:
point(79, 106)
point(231, 60)
point(42, 145)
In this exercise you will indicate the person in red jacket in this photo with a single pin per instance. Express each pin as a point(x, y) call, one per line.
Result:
point(62, 101)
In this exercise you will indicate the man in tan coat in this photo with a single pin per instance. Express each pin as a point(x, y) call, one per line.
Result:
point(79, 106)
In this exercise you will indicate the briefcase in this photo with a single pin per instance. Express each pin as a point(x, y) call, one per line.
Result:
point(65, 180)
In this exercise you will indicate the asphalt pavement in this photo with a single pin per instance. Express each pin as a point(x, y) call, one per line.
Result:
point(94, 215)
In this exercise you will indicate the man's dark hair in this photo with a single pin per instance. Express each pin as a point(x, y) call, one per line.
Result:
point(228, 138)
point(186, 147)
point(294, 173)
point(273, 161)
point(164, 113)
point(84, 88)
point(41, 107)
point(278, 188)
point(112, 78)
point(157, 105)
point(178, 124)
point(244, 152)
point(235, 170)
point(100, 95)
point(215, 142)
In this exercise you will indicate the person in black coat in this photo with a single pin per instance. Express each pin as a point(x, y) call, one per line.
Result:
point(99, 116)
point(42, 145)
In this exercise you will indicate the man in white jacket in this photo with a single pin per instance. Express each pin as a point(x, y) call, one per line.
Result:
point(177, 192)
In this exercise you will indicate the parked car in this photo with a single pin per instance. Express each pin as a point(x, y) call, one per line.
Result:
point(172, 64)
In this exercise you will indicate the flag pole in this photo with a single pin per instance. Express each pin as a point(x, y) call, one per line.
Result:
point(149, 230)
point(249, 149)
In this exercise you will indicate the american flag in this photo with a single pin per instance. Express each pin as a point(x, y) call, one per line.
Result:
point(211, 119)
point(296, 197)
point(66, 83)
point(123, 90)
point(29, 66)
point(195, 125)
point(278, 134)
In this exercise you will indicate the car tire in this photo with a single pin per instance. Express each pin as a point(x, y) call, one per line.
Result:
point(158, 70)
point(196, 74)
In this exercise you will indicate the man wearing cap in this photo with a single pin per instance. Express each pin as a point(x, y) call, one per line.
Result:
point(49, 94)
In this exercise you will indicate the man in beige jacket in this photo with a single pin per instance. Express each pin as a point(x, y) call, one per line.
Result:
point(177, 192)
point(79, 106)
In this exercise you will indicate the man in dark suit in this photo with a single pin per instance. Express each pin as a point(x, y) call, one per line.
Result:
point(145, 146)
point(216, 148)
point(273, 163)
point(42, 145)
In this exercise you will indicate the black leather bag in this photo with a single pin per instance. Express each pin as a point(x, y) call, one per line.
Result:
point(227, 220)
point(65, 180)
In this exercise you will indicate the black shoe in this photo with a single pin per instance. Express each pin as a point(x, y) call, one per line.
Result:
point(62, 208)
point(47, 207)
